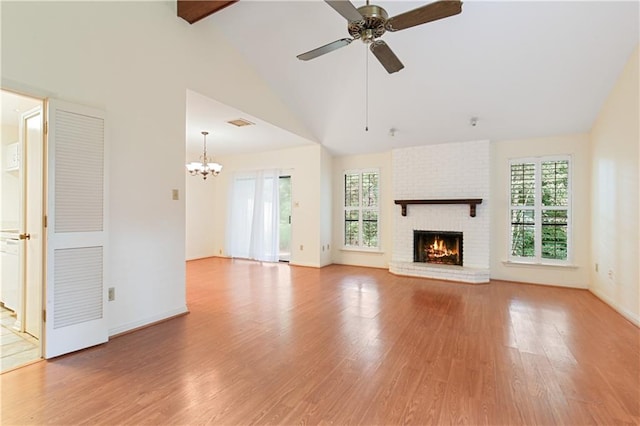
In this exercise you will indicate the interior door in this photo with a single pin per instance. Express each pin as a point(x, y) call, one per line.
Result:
point(76, 234)
point(32, 123)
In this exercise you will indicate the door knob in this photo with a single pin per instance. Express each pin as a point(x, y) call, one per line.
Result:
point(24, 236)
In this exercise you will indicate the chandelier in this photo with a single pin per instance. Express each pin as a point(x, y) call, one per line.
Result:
point(204, 167)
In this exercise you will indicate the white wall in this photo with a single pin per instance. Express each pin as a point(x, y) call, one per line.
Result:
point(200, 211)
point(135, 60)
point(381, 161)
point(326, 207)
point(303, 164)
point(615, 140)
point(501, 152)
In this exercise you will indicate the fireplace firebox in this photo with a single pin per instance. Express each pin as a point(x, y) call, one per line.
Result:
point(441, 247)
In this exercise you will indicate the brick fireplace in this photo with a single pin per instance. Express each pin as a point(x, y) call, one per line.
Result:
point(452, 178)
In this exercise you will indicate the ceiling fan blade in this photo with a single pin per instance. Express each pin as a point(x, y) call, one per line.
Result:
point(385, 55)
point(422, 15)
point(346, 9)
point(324, 49)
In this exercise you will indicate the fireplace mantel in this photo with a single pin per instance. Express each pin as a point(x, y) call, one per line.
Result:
point(471, 201)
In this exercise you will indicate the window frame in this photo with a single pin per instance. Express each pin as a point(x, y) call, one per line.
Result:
point(360, 209)
point(538, 208)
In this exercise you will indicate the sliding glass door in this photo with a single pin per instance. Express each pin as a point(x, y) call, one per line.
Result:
point(285, 219)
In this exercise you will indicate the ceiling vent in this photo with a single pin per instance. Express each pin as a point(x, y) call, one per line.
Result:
point(240, 122)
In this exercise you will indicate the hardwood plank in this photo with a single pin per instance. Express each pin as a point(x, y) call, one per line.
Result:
point(276, 344)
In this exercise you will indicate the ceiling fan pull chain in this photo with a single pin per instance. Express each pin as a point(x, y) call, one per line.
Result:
point(366, 91)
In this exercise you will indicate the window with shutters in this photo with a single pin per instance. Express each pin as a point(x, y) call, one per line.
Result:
point(540, 210)
point(361, 211)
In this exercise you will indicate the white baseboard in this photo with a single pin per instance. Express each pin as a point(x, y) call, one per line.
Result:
point(147, 321)
point(308, 265)
point(634, 318)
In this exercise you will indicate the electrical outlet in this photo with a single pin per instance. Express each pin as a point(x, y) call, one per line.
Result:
point(175, 194)
point(301, 247)
point(596, 267)
point(610, 274)
point(220, 251)
point(112, 294)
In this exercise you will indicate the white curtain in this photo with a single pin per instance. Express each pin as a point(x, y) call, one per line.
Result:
point(252, 231)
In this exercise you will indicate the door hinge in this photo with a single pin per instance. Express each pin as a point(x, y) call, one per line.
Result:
point(44, 315)
point(46, 127)
point(44, 221)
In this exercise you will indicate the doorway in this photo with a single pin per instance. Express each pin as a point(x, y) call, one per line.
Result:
point(22, 228)
point(284, 226)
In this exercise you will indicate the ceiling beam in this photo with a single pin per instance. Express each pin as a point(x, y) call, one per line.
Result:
point(194, 10)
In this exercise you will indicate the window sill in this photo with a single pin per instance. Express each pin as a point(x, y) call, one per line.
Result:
point(362, 250)
point(539, 264)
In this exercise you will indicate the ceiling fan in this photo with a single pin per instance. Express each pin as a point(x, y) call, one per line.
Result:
point(370, 22)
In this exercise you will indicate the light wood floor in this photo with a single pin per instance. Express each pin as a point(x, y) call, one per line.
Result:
point(16, 348)
point(347, 345)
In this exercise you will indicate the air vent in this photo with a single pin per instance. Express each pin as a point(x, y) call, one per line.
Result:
point(240, 122)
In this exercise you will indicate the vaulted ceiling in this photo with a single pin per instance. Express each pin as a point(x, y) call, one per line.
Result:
point(524, 69)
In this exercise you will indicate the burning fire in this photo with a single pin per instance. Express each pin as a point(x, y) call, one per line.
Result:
point(440, 249)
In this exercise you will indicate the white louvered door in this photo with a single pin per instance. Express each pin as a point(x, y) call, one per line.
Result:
point(76, 235)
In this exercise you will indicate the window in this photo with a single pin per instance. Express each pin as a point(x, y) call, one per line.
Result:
point(540, 210)
point(361, 194)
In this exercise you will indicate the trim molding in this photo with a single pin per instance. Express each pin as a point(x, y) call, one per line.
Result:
point(633, 318)
point(538, 264)
point(305, 264)
point(147, 322)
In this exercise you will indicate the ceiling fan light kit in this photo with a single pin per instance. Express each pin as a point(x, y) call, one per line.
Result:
point(370, 22)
